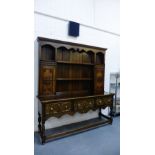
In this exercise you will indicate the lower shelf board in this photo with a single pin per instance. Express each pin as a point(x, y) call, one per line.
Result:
point(74, 128)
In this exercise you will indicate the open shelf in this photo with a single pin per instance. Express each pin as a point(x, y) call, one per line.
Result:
point(70, 72)
point(63, 54)
point(73, 84)
point(47, 53)
point(99, 58)
point(75, 56)
point(72, 92)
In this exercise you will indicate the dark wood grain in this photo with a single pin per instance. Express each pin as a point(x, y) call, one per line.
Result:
point(71, 80)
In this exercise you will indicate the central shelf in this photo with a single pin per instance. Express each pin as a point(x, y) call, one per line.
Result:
point(75, 63)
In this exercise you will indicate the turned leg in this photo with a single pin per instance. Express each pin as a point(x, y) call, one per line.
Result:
point(100, 113)
point(39, 122)
point(111, 111)
point(43, 131)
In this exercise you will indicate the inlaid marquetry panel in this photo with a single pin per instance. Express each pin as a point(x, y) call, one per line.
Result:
point(47, 72)
point(58, 109)
point(84, 105)
point(47, 80)
point(104, 101)
point(47, 87)
point(99, 80)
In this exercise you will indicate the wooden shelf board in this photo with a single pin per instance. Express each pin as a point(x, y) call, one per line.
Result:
point(49, 61)
point(74, 63)
point(71, 91)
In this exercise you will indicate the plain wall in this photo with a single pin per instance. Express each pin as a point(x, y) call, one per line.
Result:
point(99, 26)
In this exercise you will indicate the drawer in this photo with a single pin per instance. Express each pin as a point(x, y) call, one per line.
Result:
point(104, 101)
point(58, 109)
point(84, 105)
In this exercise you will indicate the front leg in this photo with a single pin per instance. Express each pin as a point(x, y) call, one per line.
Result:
point(111, 114)
point(99, 113)
point(39, 122)
point(43, 131)
point(105, 116)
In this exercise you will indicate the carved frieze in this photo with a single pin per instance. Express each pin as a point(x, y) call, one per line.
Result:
point(84, 105)
point(58, 109)
point(104, 101)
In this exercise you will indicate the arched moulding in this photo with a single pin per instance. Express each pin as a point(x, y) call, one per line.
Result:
point(43, 43)
point(82, 51)
point(99, 58)
point(47, 52)
point(90, 56)
point(58, 115)
point(82, 111)
point(63, 54)
point(63, 46)
point(75, 56)
point(72, 49)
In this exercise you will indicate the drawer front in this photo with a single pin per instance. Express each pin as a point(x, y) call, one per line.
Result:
point(104, 101)
point(58, 109)
point(84, 105)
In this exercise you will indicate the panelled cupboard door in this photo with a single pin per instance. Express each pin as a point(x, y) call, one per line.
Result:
point(99, 80)
point(47, 80)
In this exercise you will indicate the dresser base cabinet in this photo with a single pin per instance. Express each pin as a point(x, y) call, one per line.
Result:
point(60, 107)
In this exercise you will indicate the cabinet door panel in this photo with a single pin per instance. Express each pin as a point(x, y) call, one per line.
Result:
point(47, 80)
point(99, 80)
